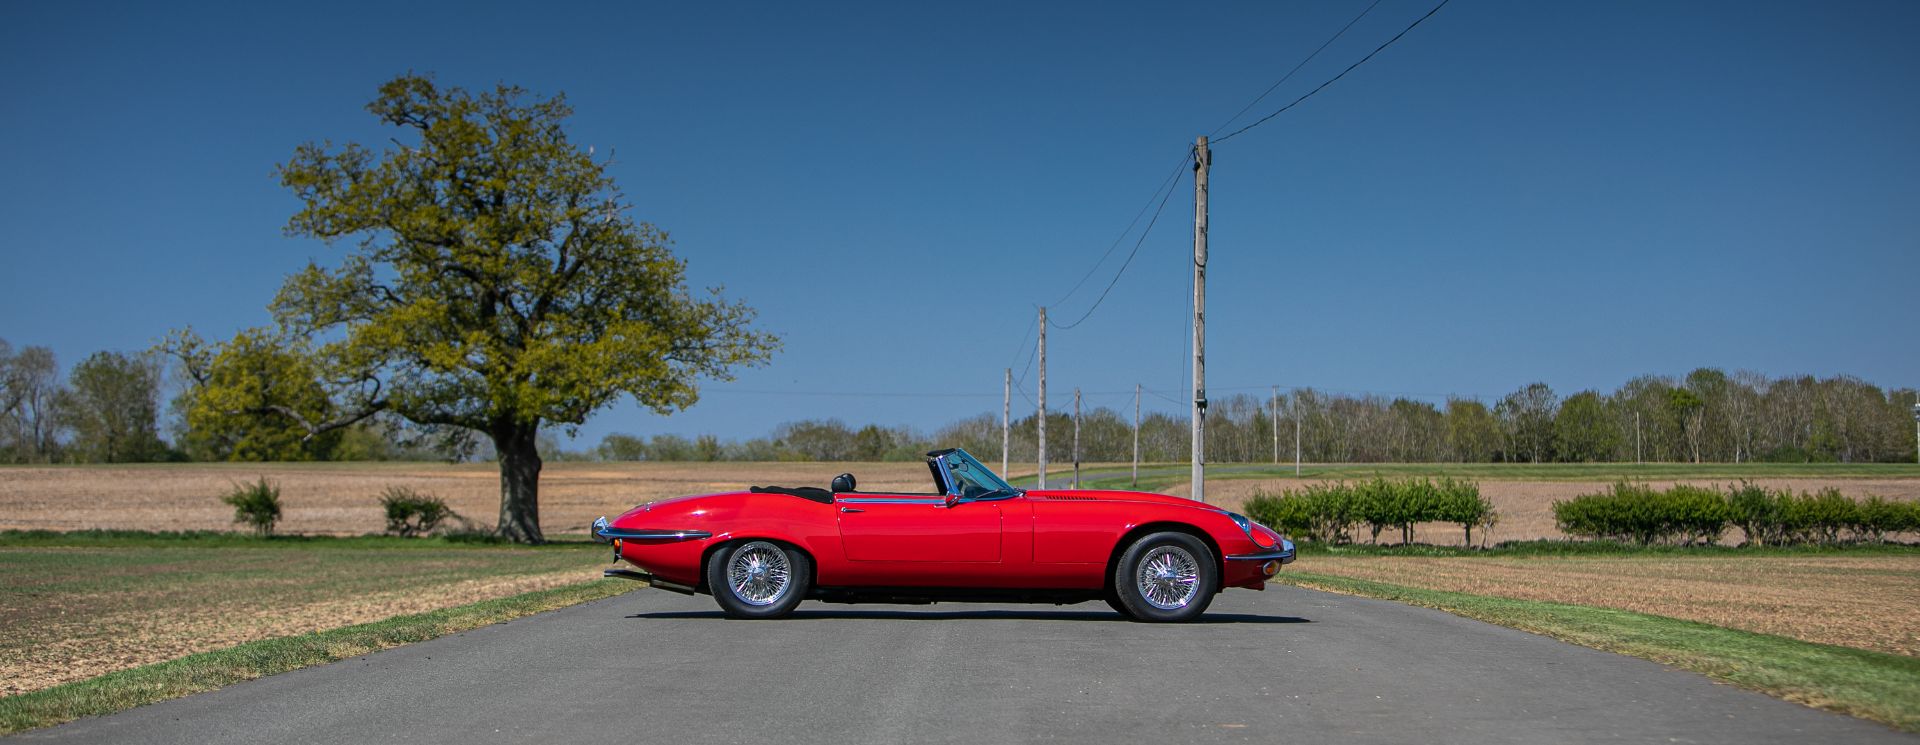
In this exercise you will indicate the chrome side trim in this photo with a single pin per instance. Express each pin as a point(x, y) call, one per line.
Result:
point(889, 500)
point(652, 535)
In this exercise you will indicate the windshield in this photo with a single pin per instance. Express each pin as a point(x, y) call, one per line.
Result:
point(971, 479)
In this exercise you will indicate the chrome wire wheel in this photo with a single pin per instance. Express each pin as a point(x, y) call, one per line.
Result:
point(759, 574)
point(1169, 577)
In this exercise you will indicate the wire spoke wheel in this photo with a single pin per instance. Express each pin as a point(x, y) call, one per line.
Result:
point(759, 573)
point(1168, 578)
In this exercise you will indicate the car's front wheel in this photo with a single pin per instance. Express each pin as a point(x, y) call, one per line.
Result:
point(758, 579)
point(1166, 577)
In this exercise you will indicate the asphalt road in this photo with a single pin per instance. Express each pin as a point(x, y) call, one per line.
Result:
point(1286, 665)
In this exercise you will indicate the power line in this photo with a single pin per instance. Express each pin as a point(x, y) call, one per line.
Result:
point(1172, 182)
point(1123, 234)
point(1336, 78)
point(1296, 68)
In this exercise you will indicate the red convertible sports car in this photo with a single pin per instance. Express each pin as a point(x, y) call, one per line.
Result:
point(974, 537)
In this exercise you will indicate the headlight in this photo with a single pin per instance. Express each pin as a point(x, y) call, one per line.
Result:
point(1246, 526)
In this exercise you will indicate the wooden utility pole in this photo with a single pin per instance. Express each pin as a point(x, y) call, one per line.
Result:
point(1136, 435)
point(1202, 159)
point(1636, 439)
point(1296, 442)
point(1042, 423)
point(1276, 425)
point(1006, 421)
point(1076, 437)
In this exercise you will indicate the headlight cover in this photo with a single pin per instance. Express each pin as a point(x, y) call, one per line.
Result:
point(1246, 526)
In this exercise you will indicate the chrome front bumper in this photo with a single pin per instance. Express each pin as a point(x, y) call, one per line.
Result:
point(1283, 553)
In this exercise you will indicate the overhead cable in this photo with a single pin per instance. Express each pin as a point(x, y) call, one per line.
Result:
point(1336, 78)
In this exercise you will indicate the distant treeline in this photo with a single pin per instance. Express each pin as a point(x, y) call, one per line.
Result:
point(109, 408)
point(1707, 416)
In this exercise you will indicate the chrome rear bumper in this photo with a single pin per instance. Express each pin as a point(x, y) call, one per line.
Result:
point(605, 533)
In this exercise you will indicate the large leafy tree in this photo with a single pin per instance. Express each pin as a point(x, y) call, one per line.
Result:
point(112, 407)
point(496, 282)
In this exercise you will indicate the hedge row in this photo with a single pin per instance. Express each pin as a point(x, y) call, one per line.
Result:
point(1328, 512)
point(1686, 515)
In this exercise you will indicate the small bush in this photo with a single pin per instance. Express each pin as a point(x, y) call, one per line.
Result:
point(256, 505)
point(411, 513)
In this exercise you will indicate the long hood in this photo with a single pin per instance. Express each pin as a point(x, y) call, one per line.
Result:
point(1107, 495)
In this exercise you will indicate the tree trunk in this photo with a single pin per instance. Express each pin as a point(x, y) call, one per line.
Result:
point(517, 447)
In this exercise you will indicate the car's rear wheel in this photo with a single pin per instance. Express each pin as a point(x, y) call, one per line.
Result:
point(1166, 577)
point(758, 579)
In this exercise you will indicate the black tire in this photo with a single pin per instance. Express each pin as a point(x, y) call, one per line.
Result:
point(1113, 601)
point(756, 599)
point(1186, 582)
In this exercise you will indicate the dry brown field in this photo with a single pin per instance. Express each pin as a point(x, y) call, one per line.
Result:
point(342, 498)
point(1865, 601)
point(74, 612)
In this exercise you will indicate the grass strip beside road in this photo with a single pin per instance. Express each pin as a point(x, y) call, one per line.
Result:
point(1871, 685)
point(207, 671)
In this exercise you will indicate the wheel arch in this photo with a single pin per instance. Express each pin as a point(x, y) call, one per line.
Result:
point(706, 555)
point(1145, 529)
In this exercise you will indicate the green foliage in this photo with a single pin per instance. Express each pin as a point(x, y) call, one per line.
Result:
point(496, 270)
point(1687, 514)
point(411, 513)
point(250, 398)
point(112, 407)
point(1326, 512)
point(256, 505)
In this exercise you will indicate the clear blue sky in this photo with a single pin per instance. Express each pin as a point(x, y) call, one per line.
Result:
point(1517, 191)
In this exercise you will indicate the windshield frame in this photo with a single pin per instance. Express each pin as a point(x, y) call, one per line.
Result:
point(996, 487)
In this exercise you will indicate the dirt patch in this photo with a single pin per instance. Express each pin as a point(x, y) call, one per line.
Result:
point(80, 645)
point(1862, 602)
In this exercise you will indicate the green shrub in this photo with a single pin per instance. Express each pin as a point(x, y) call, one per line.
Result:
point(1319, 512)
point(1459, 502)
point(256, 505)
point(411, 513)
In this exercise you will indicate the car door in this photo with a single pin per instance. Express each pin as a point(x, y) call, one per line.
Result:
point(918, 528)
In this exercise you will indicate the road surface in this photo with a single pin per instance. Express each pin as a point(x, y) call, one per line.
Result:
point(1285, 665)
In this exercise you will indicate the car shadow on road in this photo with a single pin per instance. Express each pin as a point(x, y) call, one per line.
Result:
point(961, 615)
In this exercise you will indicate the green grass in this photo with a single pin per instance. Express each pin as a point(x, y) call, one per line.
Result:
point(1872, 685)
point(148, 684)
point(1160, 476)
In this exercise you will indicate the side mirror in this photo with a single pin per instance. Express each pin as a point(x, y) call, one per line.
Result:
point(952, 499)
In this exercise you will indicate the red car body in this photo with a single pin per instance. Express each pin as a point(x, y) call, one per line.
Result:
point(958, 543)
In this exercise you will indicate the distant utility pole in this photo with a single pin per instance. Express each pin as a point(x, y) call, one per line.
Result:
point(1636, 439)
point(1202, 159)
point(1042, 423)
point(1296, 443)
point(1276, 425)
point(1076, 437)
point(1006, 421)
point(1916, 432)
point(1136, 434)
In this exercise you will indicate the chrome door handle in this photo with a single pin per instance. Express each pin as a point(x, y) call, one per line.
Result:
point(851, 509)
